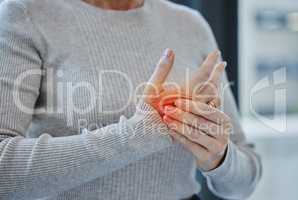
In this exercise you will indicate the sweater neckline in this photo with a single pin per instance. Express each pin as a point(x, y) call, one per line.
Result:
point(121, 14)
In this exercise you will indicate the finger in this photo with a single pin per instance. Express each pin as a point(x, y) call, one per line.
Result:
point(205, 70)
point(204, 110)
point(169, 97)
point(215, 103)
point(172, 90)
point(163, 68)
point(195, 121)
point(208, 95)
point(217, 73)
point(209, 90)
point(194, 135)
point(205, 159)
point(170, 93)
point(194, 148)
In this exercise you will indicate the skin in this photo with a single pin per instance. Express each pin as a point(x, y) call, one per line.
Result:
point(199, 127)
point(202, 129)
point(116, 4)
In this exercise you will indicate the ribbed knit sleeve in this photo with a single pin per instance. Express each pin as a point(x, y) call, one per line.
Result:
point(45, 166)
point(241, 171)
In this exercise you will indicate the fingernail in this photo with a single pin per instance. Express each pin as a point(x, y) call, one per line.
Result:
point(225, 64)
point(217, 52)
point(168, 54)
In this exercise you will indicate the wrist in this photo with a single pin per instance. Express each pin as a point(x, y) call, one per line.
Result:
point(220, 159)
point(223, 171)
point(147, 118)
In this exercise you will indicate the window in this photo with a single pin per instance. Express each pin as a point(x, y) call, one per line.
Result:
point(259, 39)
point(269, 63)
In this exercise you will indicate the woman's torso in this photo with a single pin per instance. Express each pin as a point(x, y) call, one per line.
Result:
point(93, 62)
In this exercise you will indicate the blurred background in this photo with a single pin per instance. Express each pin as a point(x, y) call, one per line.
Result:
point(259, 39)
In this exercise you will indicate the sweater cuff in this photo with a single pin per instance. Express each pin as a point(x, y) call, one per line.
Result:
point(225, 171)
point(146, 114)
point(148, 127)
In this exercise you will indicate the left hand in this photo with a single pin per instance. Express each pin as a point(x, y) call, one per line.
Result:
point(201, 129)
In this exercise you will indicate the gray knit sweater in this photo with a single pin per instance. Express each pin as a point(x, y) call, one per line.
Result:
point(68, 75)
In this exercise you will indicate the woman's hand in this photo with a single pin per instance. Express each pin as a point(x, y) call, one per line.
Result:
point(202, 86)
point(204, 134)
point(154, 87)
point(201, 129)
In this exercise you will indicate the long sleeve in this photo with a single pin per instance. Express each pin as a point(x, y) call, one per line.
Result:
point(241, 170)
point(45, 166)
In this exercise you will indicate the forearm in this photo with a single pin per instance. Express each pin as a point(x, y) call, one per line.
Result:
point(238, 176)
point(45, 166)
